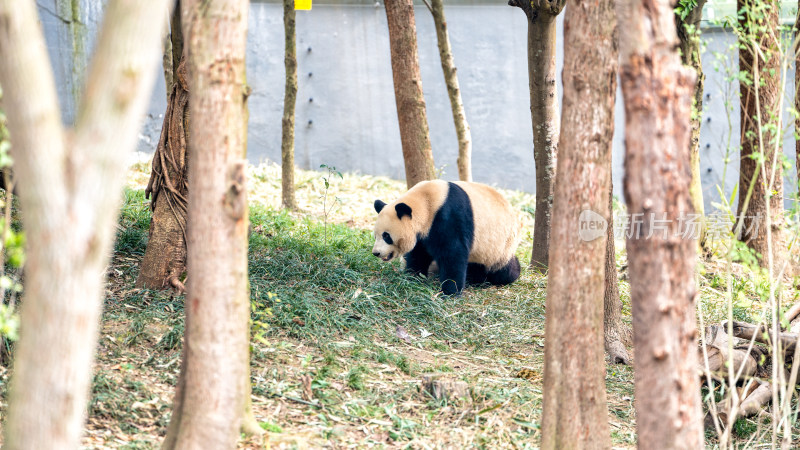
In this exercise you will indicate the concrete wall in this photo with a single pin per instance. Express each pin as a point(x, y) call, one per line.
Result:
point(346, 114)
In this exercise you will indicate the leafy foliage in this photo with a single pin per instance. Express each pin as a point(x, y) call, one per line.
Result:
point(684, 7)
point(12, 246)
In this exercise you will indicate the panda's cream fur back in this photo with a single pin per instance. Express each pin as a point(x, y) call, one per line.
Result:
point(497, 224)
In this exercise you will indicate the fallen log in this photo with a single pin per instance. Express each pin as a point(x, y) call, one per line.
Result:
point(752, 405)
point(744, 364)
point(792, 312)
point(762, 335)
point(717, 346)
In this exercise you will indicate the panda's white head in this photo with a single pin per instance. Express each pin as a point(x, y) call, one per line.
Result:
point(394, 233)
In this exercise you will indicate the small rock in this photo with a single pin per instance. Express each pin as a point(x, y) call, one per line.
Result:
point(440, 387)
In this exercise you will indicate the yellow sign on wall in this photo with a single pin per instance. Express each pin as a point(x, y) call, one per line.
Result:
point(302, 5)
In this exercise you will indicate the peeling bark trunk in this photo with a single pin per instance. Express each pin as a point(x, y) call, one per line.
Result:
point(756, 137)
point(414, 134)
point(544, 116)
point(70, 183)
point(289, 102)
point(690, 56)
point(574, 412)
point(657, 90)
point(454, 92)
point(211, 395)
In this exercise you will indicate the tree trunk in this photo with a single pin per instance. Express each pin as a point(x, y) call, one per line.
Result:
point(166, 62)
point(617, 335)
point(657, 90)
point(69, 196)
point(689, 36)
point(797, 101)
point(760, 98)
point(164, 260)
point(454, 92)
point(289, 101)
point(212, 394)
point(574, 413)
point(410, 101)
point(176, 37)
point(544, 116)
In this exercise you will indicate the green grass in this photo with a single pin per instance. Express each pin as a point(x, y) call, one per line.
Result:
point(134, 223)
point(323, 305)
point(331, 301)
point(324, 291)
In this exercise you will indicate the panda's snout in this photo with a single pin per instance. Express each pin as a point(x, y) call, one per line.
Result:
point(385, 258)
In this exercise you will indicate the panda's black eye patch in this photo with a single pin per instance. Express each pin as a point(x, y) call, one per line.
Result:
point(387, 238)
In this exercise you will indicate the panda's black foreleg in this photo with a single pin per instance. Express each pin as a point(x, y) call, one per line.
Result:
point(418, 260)
point(507, 274)
point(452, 274)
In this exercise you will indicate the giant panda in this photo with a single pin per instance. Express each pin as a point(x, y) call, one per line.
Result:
point(468, 229)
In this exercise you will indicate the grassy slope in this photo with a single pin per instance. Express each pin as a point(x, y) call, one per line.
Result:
point(326, 310)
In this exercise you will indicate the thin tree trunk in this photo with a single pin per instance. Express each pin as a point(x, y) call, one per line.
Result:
point(164, 260)
point(657, 90)
point(249, 426)
point(544, 116)
point(617, 335)
point(574, 413)
point(70, 196)
point(166, 61)
point(212, 394)
point(454, 92)
point(689, 36)
point(417, 153)
point(176, 36)
point(760, 98)
point(797, 102)
point(289, 101)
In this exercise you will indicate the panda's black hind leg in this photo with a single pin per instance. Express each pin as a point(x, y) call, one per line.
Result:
point(476, 274)
point(506, 275)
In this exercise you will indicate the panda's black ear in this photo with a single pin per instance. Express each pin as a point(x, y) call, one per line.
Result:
point(379, 206)
point(402, 210)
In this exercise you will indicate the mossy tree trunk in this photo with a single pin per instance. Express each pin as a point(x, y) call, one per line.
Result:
point(759, 113)
point(410, 101)
point(688, 30)
point(289, 101)
point(544, 116)
point(70, 184)
point(464, 161)
point(574, 412)
point(797, 103)
point(657, 89)
point(211, 398)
